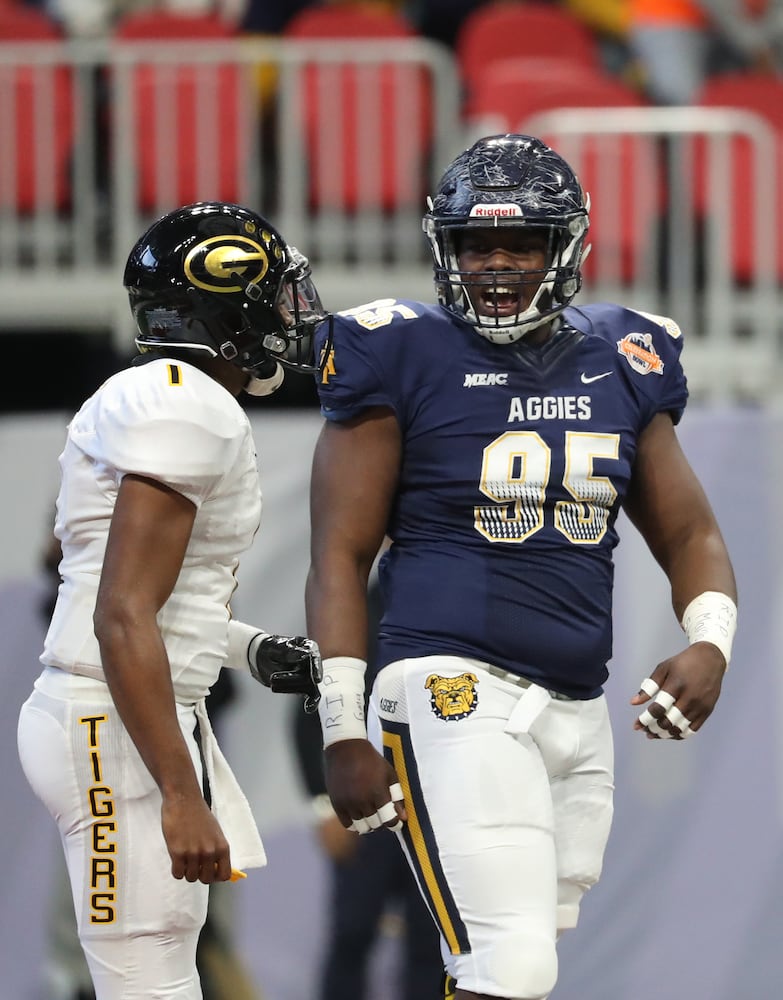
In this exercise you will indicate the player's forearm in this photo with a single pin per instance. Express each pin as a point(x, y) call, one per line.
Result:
point(137, 672)
point(336, 604)
point(336, 610)
point(701, 563)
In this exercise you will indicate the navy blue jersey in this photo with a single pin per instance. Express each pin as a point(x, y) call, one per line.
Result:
point(516, 460)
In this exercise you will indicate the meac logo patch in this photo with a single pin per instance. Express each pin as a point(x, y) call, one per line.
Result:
point(484, 378)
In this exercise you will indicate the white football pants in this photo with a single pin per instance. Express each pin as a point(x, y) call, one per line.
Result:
point(138, 925)
point(509, 799)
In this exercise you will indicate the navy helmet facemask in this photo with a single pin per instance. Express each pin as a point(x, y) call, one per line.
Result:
point(509, 181)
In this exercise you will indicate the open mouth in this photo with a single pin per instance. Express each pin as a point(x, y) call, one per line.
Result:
point(497, 299)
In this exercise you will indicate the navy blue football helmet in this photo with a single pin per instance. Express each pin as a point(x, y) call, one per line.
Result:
point(509, 181)
point(218, 279)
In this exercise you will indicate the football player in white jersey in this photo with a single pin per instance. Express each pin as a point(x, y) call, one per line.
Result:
point(159, 497)
point(494, 437)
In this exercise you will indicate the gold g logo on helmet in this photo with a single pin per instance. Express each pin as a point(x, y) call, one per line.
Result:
point(452, 698)
point(213, 263)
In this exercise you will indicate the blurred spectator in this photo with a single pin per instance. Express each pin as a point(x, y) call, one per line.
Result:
point(681, 42)
point(372, 887)
point(440, 20)
point(751, 30)
point(609, 21)
point(96, 18)
point(269, 17)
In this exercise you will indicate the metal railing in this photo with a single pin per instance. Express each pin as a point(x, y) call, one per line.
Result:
point(338, 143)
point(698, 197)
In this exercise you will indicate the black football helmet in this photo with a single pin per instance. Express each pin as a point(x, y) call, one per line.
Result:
point(509, 181)
point(218, 279)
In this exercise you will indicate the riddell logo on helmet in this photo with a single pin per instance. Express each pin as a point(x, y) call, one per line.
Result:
point(495, 211)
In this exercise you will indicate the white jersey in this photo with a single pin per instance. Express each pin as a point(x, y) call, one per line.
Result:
point(170, 422)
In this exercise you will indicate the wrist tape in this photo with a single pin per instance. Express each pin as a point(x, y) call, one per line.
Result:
point(341, 708)
point(711, 617)
point(243, 640)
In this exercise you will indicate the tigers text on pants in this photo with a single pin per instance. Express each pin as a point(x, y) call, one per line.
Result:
point(139, 932)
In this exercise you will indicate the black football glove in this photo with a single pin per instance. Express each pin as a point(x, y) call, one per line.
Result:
point(289, 665)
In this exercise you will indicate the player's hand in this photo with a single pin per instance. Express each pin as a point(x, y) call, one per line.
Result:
point(681, 693)
point(363, 787)
point(199, 851)
point(289, 665)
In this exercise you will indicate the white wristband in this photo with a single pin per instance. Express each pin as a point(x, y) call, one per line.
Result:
point(341, 708)
point(241, 638)
point(711, 617)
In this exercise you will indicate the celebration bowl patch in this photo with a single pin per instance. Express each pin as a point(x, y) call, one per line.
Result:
point(638, 351)
point(452, 698)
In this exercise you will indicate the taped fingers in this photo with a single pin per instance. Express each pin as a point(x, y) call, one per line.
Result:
point(395, 791)
point(383, 816)
point(649, 687)
point(650, 723)
point(678, 720)
point(665, 699)
point(386, 813)
point(675, 724)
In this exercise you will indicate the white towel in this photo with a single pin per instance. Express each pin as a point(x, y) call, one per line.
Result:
point(530, 705)
point(231, 808)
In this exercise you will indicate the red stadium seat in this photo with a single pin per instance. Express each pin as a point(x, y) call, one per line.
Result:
point(761, 94)
point(504, 82)
point(514, 90)
point(26, 24)
point(348, 20)
point(41, 100)
point(183, 95)
point(506, 30)
point(164, 25)
point(367, 127)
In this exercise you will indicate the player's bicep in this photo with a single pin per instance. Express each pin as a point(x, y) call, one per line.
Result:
point(354, 480)
point(149, 534)
point(665, 500)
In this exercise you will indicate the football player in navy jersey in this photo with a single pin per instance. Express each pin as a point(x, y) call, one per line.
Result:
point(494, 437)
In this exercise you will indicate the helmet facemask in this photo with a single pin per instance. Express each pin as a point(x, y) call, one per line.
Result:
point(298, 306)
point(555, 284)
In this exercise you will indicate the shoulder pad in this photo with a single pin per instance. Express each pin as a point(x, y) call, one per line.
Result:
point(381, 312)
point(665, 322)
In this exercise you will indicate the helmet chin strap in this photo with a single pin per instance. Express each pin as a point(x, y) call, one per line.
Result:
point(265, 386)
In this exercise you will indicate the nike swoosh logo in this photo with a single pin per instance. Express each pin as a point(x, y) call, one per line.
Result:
point(587, 379)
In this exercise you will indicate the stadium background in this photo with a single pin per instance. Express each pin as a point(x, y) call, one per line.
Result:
point(690, 900)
